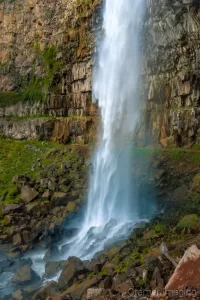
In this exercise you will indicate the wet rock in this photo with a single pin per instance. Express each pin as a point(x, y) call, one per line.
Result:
point(24, 275)
point(52, 254)
point(73, 267)
point(65, 248)
point(28, 194)
point(53, 267)
point(50, 289)
point(17, 295)
point(5, 265)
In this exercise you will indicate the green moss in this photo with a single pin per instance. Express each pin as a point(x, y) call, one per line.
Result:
point(113, 252)
point(141, 283)
point(188, 221)
point(35, 88)
point(151, 234)
point(196, 158)
point(10, 98)
point(160, 228)
point(51, 65)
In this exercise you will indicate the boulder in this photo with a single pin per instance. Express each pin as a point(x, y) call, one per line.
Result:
point(76, 291)
point(53, 267)
point(17, 240)
point(121, 284)
point(32, 207)
point(73, 267)
point(60, 199)
point(26, 236)
point(52, 185)
point(93, 293)
point(52, 254)
point(11, 208)
point(17, 295)
point(71, 206)
point(6, 264)
point(46, 195)
point(187, 273)
point(24, 275)
point(50, 289)
point(28, 194)
point(20, 180)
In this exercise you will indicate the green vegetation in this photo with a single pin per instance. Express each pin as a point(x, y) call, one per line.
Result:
point(160, 228)
point(178, 155)
point(10, 98)
point(145, 153)
point(18, 157)
point(188, 221)
point(36, 88)
point(51, 65)
point(32, 92)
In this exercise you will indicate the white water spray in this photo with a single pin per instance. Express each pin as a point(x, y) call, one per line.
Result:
point(115, 86)
point(112, 208)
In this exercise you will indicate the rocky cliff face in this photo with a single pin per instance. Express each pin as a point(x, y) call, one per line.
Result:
point(171, 73)
point(46, 66)
point(46, 70)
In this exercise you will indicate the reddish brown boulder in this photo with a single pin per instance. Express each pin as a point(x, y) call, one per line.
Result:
point(187, 273)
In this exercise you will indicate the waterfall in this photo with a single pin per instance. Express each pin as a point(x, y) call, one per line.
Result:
point(115, 85)
point(112, 206)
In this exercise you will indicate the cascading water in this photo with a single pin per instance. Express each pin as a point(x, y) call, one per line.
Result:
point(112, 209)
point(115, 86)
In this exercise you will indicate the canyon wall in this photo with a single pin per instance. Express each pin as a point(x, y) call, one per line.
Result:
point(171, 74)
point(46, 59)
point(46, 69)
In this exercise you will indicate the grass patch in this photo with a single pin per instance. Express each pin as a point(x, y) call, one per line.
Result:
point(18, 157)
point(188, 221)
point(178, 155)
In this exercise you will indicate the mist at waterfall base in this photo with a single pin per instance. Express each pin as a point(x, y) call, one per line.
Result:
point(113, 206)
